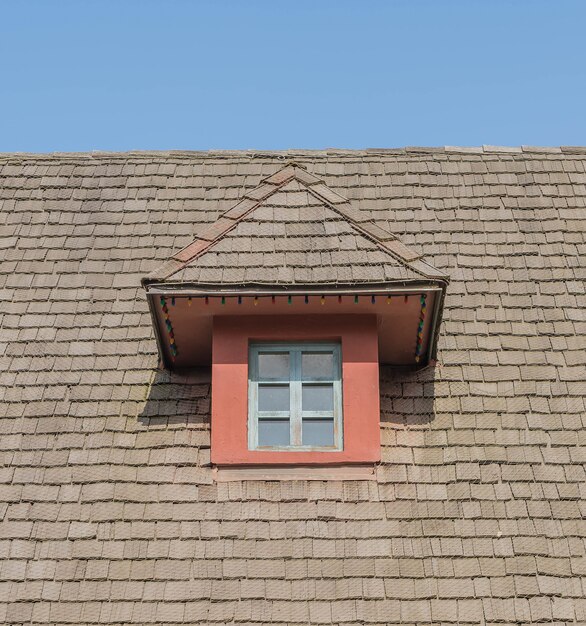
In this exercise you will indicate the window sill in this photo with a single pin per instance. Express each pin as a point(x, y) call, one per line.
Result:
point(223, 474)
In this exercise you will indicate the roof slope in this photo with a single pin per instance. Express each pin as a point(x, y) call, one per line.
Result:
point(108, 511)
point(293, 229)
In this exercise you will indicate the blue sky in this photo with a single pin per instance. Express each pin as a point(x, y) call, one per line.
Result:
point(188, 74)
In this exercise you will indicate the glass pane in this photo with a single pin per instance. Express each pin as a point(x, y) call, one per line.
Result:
point(273, 365)
point(273, 432)
point(318, 397)
point(273, 397)
point(318, 432)
point(317, 365)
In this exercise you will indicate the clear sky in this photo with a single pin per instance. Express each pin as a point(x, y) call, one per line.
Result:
point(270, 74)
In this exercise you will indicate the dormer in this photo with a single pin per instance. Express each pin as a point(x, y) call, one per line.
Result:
point(294, 296)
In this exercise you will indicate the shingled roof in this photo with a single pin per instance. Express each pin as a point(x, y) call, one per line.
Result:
point(292, 229)
point(109, 511)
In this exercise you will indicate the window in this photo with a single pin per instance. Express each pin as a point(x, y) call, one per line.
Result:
point(295, 397)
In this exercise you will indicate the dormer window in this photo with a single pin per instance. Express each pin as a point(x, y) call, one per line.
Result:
point(295, 397)
point(295, 296)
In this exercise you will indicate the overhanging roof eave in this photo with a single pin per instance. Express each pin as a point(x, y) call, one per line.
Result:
point(167, 287)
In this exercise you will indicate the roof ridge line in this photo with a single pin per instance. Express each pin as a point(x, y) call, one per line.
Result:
point(294, 153)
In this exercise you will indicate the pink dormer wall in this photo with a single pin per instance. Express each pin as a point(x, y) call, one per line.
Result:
point(360, 386)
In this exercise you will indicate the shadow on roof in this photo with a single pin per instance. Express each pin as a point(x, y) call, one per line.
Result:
point(407, 396)
point(178, 398)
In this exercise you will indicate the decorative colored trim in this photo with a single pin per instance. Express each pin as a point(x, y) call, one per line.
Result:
point(169, 326)
point(256, 298)
point(419, 342)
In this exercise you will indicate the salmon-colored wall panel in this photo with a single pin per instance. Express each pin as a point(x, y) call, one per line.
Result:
point(361, 418)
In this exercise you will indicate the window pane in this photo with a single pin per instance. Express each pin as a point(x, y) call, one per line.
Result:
point(318, 397)
point(317, 365)
point(273, 432)
point(273, 365)
point(318, 432)
point(273, 397)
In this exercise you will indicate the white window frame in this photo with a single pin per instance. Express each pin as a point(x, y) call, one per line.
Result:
point(295, 413)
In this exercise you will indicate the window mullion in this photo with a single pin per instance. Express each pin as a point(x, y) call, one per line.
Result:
point(296, 437)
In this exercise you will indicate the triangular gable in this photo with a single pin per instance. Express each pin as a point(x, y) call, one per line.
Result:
point(293, 229)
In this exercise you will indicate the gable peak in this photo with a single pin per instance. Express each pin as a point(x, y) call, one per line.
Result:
point(291, 170)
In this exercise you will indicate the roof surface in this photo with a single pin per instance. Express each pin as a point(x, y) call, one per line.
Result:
point(109, 513)
point(290, 230)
